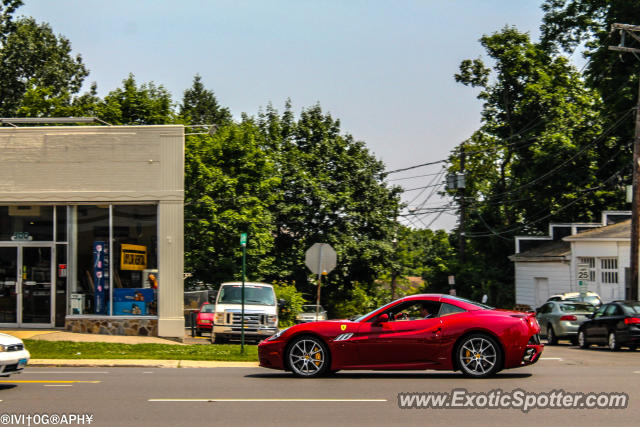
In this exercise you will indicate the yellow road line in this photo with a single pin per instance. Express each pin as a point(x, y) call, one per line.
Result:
point(47, 382)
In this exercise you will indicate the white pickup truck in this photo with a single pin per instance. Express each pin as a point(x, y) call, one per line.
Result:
point(260, 312)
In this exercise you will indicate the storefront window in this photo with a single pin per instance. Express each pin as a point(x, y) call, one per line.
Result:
point(131, 260)
point(26, 223)
point(135, 260)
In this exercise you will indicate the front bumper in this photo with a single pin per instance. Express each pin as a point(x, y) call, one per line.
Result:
point(270, 354)
point(206, 326)
point(10, 362)
point(236, 331)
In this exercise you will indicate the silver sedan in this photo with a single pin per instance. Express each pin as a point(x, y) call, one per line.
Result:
point(561, 319)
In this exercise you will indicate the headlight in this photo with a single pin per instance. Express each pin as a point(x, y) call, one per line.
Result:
point(219, 317)
point(272, 320)
point(276, 335)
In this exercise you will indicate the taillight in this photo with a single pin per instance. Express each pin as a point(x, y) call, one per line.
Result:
point(569, 317)
point(632, 321)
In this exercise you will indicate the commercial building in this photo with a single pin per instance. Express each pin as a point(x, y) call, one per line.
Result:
point(91, 228)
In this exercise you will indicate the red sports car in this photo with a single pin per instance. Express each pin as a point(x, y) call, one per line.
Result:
point(417, 332)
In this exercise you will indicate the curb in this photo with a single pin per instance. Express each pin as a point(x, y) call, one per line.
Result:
point(149, 363)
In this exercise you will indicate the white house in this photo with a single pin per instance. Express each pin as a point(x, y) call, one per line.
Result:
point(547, 265)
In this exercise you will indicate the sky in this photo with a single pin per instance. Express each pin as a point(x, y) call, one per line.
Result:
point(384, 68)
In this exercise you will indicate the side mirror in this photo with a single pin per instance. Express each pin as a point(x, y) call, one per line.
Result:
point(282, 303)
point(383, 318)
point(590, 315)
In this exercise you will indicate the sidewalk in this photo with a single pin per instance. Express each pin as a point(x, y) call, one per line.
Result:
point(59, 335)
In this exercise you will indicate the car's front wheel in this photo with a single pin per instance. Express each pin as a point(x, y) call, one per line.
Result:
point(308, 357)
point(479, 356)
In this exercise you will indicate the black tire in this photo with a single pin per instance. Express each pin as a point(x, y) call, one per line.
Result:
point(633, 347)
point(479, 356)
point(198, 332)
point(574, 341)
point(552, 339)
point(308, 357)
point(612, 341)
point(582, 339)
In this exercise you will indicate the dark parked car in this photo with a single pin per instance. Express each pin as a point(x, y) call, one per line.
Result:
point(615, 324)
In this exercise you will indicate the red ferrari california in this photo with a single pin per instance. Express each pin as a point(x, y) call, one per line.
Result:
point(429, 331)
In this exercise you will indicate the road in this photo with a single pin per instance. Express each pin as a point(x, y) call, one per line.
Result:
point(133, 396)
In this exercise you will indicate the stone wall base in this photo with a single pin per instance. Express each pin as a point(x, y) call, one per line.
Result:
point(113, 326)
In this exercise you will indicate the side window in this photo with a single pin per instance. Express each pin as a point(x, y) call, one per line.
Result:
point(547, 308)
point(600, 311)
point(414, 310)
point(447, 309)
point(613, 310)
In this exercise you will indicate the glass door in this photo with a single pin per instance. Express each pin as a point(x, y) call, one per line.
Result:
point(36, 285)
point(9, 285)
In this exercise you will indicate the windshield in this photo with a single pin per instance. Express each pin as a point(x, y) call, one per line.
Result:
point(208, 308)
point(310, 308)
point(591, 299)
point(259, 295)
point(573, 308)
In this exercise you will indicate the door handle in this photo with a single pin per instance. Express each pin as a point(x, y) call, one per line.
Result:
point(437, 331)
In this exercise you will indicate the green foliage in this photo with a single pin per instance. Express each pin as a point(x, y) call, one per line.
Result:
point(200, 106)
point(357, 301)
point(41, 349)
point(34, 60)
point(294, 302)
point(229, 187)
point(146, 104)
point(332, 191)
point(536, 158)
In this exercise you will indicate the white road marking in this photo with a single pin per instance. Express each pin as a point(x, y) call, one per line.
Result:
point(635, 372)
point(147, 372)
point(267, 400)
point(551, 358)
point(65, 372)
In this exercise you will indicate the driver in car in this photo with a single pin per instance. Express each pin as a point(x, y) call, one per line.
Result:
point(424, 312)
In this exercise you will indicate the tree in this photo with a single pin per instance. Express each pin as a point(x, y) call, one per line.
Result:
point(33, 59)
point(332, 191)
point(200, 106)
point(540, 154)
point(230, 185)
point(146, 104)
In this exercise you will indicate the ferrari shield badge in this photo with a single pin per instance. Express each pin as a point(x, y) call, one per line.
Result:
point(343, 327)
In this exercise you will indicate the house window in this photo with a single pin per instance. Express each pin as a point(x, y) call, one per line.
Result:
point(592, 266)
point(609, 270)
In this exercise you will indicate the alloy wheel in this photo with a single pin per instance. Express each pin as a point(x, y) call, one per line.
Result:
point(308, 357)
point(479, 356)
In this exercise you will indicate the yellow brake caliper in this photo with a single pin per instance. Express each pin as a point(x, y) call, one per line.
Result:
point(317, 356)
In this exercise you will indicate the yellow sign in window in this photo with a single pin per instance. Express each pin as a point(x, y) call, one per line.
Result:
point(133, 257)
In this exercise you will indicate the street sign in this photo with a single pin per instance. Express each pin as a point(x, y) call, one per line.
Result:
point(452, 280)
point(583, 277)
point(320, 258)
point(243, 239)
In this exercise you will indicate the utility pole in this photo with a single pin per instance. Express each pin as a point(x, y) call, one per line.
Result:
point(634, 32)
point(461, 191)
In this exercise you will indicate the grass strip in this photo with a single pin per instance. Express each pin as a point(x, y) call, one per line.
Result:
point(41, 349)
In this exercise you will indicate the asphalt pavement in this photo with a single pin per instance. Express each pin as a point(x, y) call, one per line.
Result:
point(249, 396)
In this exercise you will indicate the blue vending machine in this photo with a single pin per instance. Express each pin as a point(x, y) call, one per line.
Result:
point(100, 276)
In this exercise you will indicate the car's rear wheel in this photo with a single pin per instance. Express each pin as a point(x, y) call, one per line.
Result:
point(308, 357)
point(633, 347)
point(551, 336)
point(479, 356)
point(612, 342)
point(582, 340)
